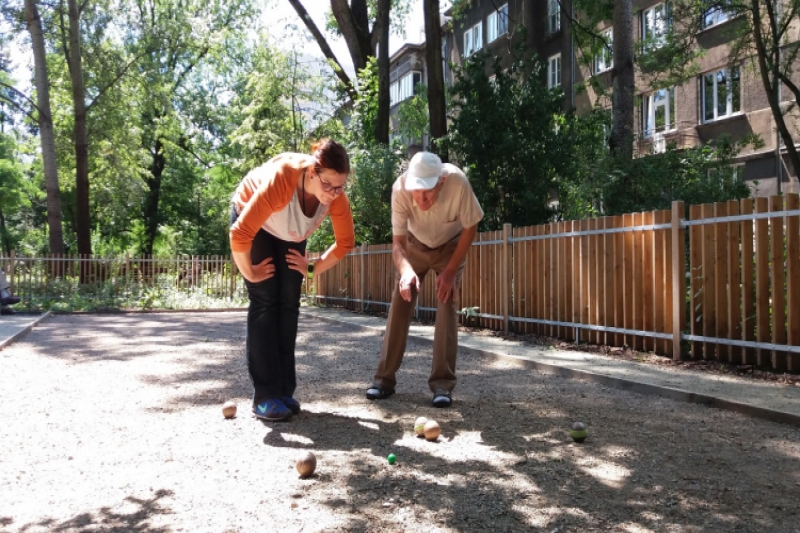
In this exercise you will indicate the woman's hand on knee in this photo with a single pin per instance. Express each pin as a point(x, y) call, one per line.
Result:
point(262, 271)
point(297, 261)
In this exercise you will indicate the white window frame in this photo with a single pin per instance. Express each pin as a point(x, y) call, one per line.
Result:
point(605, 59)
point(553, 16)
point(473, 39)
point(730, 108)
point(715, 16)
point(497, 24)
point(554, 71)
point(656, 22)
point(403, 88)
point(649, 108)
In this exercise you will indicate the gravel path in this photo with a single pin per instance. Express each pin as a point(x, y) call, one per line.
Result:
point(113, 423)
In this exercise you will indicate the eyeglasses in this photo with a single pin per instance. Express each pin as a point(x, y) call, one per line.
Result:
point(327, 187)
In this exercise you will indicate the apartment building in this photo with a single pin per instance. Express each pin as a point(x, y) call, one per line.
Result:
point(722, 99)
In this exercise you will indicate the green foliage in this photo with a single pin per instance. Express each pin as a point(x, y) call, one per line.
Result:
point(614, 186)
point(374, 168)
point(15, 192)
point(413, 122)
point(505, 135)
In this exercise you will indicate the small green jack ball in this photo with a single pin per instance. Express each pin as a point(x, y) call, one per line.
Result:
point(392, 458)
point(578, 432)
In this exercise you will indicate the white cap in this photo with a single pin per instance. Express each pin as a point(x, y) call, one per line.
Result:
point(424, 171)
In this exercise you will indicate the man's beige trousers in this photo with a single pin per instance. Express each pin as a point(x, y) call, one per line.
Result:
point(445, 337)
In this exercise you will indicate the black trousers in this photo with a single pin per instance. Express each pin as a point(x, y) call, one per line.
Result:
point(272, 319)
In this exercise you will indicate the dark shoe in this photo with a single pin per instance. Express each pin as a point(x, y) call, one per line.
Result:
point(441, 398)
point(9, 300)
point(292, 404)
point(378, 393)
point(272, 409)
point(7, 311)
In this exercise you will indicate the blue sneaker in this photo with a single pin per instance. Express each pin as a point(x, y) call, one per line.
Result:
point(272, 409)
point(292, 404)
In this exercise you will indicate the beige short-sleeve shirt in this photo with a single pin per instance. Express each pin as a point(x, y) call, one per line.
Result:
point(456, 208)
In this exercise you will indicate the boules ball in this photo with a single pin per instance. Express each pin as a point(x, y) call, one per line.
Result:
point(229, 409)
point(306, 464)
point(419, 426)
point(578, 432)
point(432, 430)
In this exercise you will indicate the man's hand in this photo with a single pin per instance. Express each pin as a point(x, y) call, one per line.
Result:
point(262, 271)
point(445, 285)
point(407, 280)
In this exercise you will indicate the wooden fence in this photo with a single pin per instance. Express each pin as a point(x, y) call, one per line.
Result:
point(727, 289)
point(40, 281)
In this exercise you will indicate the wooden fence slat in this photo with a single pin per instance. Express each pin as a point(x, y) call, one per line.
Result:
point(608, 281)
point(709, 318)
point(628, 285)
point(659, 287)
point(618, 291)
point(585, 259)
point(746, 228)
point(777, 277)
point(638, 280)
point(793, 280)
point(696, 280)
point(762, 281)
point(648, 281)
point(721, 289)
point(593, 280)
point(734, 284)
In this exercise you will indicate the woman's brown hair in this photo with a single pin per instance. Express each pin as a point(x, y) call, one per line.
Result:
point(332, 155)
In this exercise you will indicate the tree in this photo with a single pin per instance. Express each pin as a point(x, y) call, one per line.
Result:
point(591, 43)
point(506, 135)
point(760, 31)
point(436, 93)
point(353, 20)
point(13, 188)
point(45, 123)
point(173, 52)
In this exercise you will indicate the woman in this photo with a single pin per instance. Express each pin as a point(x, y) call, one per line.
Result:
point(275, 208)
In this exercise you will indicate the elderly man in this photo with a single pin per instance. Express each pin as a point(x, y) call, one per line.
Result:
point(435, 217)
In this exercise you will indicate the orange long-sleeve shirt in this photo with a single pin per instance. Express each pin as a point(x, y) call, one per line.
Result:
point(269, 188)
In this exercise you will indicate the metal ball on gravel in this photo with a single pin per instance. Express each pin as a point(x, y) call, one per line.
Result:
point(306, 464)
point(229, 409)
point(419, 426)
point(578, 432)
point(432, 430)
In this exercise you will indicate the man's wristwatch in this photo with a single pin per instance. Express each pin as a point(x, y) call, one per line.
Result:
point(310, 267)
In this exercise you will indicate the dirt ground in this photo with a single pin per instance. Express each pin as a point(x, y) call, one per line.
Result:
point(113, 423)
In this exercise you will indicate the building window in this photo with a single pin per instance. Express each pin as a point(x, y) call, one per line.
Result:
point(656, 22)
point(497, 24)
point(403, 88)
point(553, 16)
point(717, 14)
point(604, 60)
point(721, 94)
point(473, 39)
point(554, 71)
point(658, 112)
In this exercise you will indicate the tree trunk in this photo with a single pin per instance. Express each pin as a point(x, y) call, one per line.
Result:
point(437, 111)
point(621, 142)
point(353, 22)
point(153, 196)
point(770, 81)
point(45, 120)
point(75, 62)
point(382, 123)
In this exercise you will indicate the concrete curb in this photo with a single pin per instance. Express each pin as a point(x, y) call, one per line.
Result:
point(24, 331)
point(680, 395)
